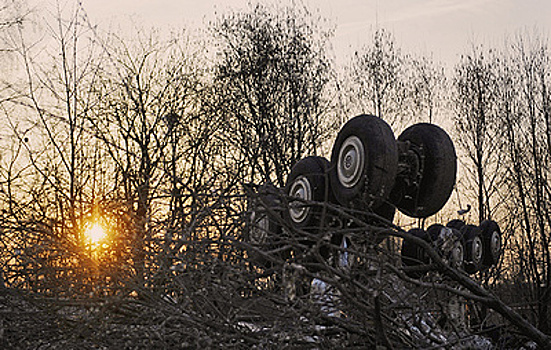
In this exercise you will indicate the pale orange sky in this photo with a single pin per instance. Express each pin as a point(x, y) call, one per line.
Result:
point(444, 27)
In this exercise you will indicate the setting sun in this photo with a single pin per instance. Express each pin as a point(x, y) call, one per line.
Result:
point(95, 233)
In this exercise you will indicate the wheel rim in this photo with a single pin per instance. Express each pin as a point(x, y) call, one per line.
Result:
point(477, 250)
point(260, 230)
point(457, 255)
point(302, 190)
point(495, 245)
point(351, 162)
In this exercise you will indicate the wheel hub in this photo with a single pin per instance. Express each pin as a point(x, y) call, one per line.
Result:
point(351, 162)
point(477, 250)
point(457, 255)
point(495, 244)
point(302, 190)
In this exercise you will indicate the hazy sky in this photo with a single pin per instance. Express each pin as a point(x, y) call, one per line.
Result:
point(444, 27)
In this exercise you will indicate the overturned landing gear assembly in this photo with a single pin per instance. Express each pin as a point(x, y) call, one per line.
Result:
point(369, 176)
point(415, 173)
point(467, 247)
point(373, 173)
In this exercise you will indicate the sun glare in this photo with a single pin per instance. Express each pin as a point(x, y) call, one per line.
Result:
point(95, 233)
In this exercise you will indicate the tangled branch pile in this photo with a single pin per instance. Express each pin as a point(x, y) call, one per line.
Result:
point(304, 300)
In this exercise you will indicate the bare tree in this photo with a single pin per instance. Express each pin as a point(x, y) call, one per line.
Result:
point(46, 117)
point(150, 114)
point(475, 105)
point(272, 77)
point(390, 83)
point(525, 107)
point(427, 85)
point(13, 14)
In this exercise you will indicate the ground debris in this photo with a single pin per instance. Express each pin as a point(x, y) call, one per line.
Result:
point(223, 319)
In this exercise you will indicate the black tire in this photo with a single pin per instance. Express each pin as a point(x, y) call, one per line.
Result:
point(433, 233)
point(491, 239)
point(263, 231)
point(381, 217)
point(456, 224)
point(308, 181)
point(456, 257)
point(386, 211)
point(473, 247)
point(413, 254)
point(438, 171)
point(365, 163)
